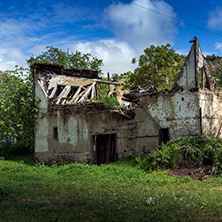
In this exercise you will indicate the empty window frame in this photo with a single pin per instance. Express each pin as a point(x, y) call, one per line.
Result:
point(55, 133)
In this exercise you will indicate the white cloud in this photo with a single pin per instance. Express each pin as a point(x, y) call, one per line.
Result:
point(182, 51)
point(135, 29)
point(218, 45)
point(9, 57)
point(140, 27)
point(17, 36)
point(10, 27)
point(13, 39)
point(6, 64)
point(38, 49)
point(215, 19)
point(116, 55)
point(207, 53)
point(17, 55)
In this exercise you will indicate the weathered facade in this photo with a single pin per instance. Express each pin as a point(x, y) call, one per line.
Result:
point(72, 127)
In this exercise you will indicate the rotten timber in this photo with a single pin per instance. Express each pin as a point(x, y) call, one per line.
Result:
point(60, 70)
point(68, 86)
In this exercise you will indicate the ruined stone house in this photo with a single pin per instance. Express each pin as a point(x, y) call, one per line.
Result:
point(72, 127)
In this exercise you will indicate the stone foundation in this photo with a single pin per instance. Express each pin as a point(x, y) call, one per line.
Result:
point(62, 158)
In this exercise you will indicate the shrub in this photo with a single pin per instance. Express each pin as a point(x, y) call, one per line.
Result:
point(110, 102)
point(188, 152)
point(13, 150)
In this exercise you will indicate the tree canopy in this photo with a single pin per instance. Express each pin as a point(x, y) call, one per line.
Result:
point(18, 107)
point(212, 57)
point(217, 73)
point(158, 65)
point(67, 59)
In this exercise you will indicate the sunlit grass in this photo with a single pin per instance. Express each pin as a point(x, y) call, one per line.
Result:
point(115, 192)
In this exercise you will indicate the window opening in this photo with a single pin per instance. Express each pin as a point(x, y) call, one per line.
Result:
point(55, 133)
point(164, 135)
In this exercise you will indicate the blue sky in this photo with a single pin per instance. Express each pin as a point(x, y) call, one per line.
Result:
point(115, 31)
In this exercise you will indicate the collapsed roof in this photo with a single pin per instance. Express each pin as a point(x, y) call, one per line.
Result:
point(67, 86)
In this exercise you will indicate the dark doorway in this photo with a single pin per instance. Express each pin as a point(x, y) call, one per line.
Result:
point(105, 148)
point(164, 135)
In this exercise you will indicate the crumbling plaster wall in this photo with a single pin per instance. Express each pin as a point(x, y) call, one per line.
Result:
point(177, 111)
point(146, 138)
point(75, 131)
point(41, 126)
point(186, 79)
point(211, 110)
point(77, 127)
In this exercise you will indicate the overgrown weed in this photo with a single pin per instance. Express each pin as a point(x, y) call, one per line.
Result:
point(187, 152)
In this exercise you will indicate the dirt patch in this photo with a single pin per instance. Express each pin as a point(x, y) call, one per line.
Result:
point(194, 173)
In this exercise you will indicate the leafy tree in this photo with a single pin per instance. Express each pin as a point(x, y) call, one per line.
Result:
point(214, 63)
point(217, 74)
point(116, 77)
point(18, 107)
point(212, 57)
point(67, 59)
point(158, 65)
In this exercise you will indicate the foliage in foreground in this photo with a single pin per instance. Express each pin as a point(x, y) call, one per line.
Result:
point(18, 107)
point(187, 151)
point(115, 192)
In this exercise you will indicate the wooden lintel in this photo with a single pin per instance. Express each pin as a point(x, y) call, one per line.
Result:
point(105, 82)
point(137, 137)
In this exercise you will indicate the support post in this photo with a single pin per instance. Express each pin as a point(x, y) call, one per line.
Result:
point(108, 78)
point(201, 123)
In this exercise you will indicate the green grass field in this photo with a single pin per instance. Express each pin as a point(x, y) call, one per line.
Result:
point(116, 192)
